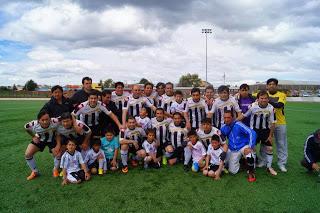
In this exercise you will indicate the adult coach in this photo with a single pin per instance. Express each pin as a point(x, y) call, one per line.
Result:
point(278, 100)
point(83, 94)
point(58, 104)
point(312, 152)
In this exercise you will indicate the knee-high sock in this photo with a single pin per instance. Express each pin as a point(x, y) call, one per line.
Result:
point(124, 157)
point(32, 164)
point(56, 162)
point(250, 161)
point(100, 163)
point(187, 155)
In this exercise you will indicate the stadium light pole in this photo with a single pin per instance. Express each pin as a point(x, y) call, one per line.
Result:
point(206, 31)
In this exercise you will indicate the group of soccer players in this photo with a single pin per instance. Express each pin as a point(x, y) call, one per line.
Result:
point(152, 128)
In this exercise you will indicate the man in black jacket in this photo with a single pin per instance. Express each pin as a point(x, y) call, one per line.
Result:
point(83, 94)
point(105, 121)
point(312, 152)
point(58, 104)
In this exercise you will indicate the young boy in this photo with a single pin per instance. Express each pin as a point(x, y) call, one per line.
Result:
point(195, 110)
point(110, 146)
point(207, 131)
point(95, 158)
point(179, 104)
point(222, 104)
point(143, 120)
point(198, 151)
point(215, 157)
point(245, 99)
point(130, 142)
point(70, 164)
point(150, 147)
point(262, 121)
point(177, 150)
point(42, 132)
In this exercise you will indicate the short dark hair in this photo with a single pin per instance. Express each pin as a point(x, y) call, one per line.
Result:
point(131, 118)
point(215, 137)
point(65, 115)
point(148, 83)
point(160, 84)
point(169, 83)
point(94, 92)
point(177, 113)
point(96, 141)
point(105, 92)
point(54, 88)
point(150, 130)
point(192, 132)
point(228, 111)
point(244, 86)
point(195, 89)
point(206, 121)
point(223, 88)
point(71, 141)
point(109, 130)
point(261, 93)
point(119, 83)
point(209, 87)
point(86, 79)
point(42, 113)
point(178, 92)
point(160, 109)
point(272, 80)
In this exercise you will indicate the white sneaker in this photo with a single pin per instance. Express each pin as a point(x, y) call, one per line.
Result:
point(261, 164)
point(272, 171)
point(283, 169)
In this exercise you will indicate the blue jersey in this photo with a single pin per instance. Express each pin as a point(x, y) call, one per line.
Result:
point(109, 147)
point(239, 135)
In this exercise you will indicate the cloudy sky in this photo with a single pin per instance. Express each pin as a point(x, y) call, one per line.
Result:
point(60, 41)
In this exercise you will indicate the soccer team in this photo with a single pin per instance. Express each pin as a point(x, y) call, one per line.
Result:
point(87, 133)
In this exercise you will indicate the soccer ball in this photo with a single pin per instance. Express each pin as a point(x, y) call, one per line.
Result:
point(195, 167)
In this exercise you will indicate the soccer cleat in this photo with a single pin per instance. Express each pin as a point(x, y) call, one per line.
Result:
point(156, 165)
point(164, 160)
point(283, 169)
point(55, 172)
point(225, 171)
point(272, 171)
point(100, 171)
point(61, 174)
point(33, 175)
point(251, 177)
point(186, 168)
point(124, 169)
point(134, 163)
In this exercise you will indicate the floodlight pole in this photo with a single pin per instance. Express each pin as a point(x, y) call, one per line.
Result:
point(206, 31)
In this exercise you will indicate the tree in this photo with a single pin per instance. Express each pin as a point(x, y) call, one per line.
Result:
point(30, 85)
point(108, 83)
point(143, 81)
point(190, 80)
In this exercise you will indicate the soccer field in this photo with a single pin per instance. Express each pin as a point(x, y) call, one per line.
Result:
point(168, 189)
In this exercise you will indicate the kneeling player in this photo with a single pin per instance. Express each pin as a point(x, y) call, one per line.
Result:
point(150, 147)
point(70, 164)
point(42, 132)
point(130, 142)
point(110, 146)
point(95, 158)
point(216, 157)
point(198, 151)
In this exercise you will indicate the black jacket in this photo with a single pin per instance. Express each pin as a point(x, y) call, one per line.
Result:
point(55, 109)
point(312, 149)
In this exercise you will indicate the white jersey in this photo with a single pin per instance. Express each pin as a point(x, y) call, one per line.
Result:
point(178, 107)
point(166, 102)
point(134, 105)
point(198, 151)
point(71, 132)
point(119, 99)
point(261, 118)
point(46, 135)
point(150, 148)
point(220, 106)
point(214, 155)
point(205, 138)
point(197, 111)
point(136, 134)
point(90, 115)
point(92, 156)
point(177, 135)
point(152, 99)
point(145, 123)
point(71, 162)
point(161, 128)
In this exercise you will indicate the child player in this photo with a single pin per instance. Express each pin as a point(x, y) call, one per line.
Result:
point(179, 104)
point(95, 158)
point(215, 157)
point(143, 120)
point(197, 150)
point(110, 146)
point(42, 132)
point(70, 164)
point(150, 147)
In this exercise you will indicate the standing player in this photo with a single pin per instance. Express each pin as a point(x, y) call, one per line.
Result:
point(42, 132)
point(83, 94)
point(160, 91)
point(168, 98)
point(245, 99)
point(262, 121)
point(118, 96)
point(278, 100)
point(222, 104)
point(151, 96)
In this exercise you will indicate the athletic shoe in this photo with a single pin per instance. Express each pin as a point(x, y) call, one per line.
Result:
point(61, 174)
point(164, 160)
point(55, 173)
point(156, 165)
point(272, 171)
point(33, 175)
point(134, 163)
point(225, 171)
point(124, 169)
point(261, 164)
point(283, 169)
point(100, 171)
point(186, 168)
point(251, 177)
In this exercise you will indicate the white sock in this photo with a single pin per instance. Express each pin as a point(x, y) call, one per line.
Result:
point(32, 164)
point(124, 157)
point(187, 155)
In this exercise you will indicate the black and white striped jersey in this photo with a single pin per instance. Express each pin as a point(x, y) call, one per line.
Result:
point(178, 107)
point(90, 115)
point(152, 99)
point(205, 138)
point(197, 111)
point(261, 118)
point(220, 106)
point(71, 132)
point(166, 102)
point(119, 99)
point(136, 134)
point(45, 135)
point(71, 162)
point(177, 135)
point(134, 105)
point(161, 128)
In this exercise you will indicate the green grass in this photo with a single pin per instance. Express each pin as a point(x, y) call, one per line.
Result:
point(168, 189)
